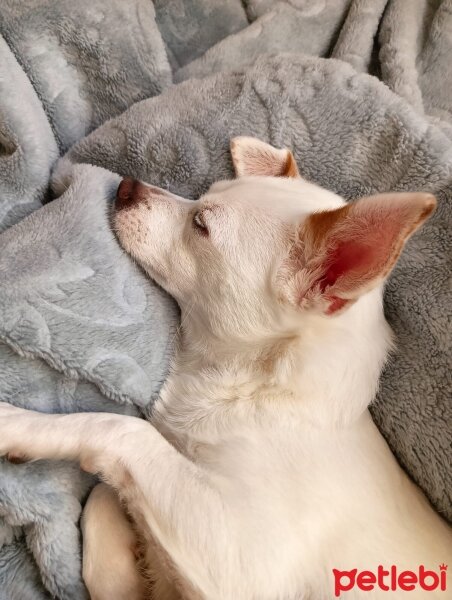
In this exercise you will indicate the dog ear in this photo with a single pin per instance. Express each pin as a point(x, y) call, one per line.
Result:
point(349, 251)
point(251, 156)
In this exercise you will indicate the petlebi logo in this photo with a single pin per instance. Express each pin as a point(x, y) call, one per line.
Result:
point(390, 580)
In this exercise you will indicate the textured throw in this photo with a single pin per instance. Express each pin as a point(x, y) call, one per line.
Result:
point(358, 89)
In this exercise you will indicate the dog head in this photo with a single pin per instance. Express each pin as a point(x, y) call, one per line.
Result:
point(255, 255)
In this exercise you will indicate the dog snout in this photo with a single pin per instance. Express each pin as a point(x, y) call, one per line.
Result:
point(130, 192)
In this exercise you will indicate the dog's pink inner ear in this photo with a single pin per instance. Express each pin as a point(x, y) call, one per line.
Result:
point(251, 156)
point(354, 248)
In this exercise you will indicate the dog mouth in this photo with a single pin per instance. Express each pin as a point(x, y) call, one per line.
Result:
point(127, 230)
point(130, 228)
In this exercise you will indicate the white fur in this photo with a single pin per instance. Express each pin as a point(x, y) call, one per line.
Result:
point(262, 470)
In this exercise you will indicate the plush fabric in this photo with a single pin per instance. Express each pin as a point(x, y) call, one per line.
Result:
point(27, 145)
point(88, 60)
point(81, 327)
point(83, 331)
point(285, 27)
point(190, 27)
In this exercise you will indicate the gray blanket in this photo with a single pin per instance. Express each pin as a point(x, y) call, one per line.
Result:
point(81, 328)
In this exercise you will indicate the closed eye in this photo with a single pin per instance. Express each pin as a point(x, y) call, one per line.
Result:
point(199, 223)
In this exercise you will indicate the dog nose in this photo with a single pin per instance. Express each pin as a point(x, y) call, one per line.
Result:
point(130, 192)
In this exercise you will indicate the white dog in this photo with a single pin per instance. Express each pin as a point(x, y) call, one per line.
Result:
point(261, 475)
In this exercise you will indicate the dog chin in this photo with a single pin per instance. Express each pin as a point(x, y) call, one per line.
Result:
point(155, 275)
point(151, 270)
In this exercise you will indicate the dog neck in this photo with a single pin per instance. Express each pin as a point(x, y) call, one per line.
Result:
point(327, 369)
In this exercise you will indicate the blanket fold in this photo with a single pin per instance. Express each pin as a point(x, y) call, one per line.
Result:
point(79, 54)
point(27, 145)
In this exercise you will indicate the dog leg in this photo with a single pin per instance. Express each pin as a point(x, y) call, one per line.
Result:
point(110, 569)
point(183, 510)
point(80, 436)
